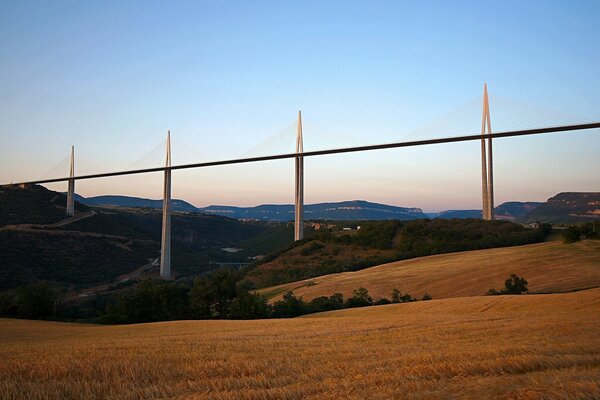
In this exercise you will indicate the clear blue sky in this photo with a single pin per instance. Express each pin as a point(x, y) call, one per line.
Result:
point(111, 78)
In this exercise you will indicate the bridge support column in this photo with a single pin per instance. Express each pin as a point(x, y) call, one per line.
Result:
point(299, 195)
point(487, 172)
point(71, 187)
point(165, 248)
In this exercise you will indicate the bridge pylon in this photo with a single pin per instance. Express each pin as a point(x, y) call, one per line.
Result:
point(165, 247)
point(299, 194)
point(487, 168)
point(71, 186)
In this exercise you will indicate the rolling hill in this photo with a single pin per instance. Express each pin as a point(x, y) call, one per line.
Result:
point(505, 347)
point(345, 247)
point(549, 267)
point(98, 245)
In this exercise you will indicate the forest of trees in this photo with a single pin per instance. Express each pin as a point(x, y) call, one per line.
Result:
point(217, 295)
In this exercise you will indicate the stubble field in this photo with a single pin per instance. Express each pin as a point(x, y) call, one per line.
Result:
point(506, 347)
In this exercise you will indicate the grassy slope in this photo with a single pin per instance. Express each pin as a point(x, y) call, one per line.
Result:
point(517, 347)
point(335, 250)
point(549, 267)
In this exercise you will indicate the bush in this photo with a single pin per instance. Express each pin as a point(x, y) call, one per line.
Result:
point(398, 297)
point(382, 302)
point(426, 297)
point(312, 248)
point(515, 285)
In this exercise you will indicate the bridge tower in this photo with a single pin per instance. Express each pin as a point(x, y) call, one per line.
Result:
point(487, 171)
point(299, 203)
point(165, 247)
point(71, 187)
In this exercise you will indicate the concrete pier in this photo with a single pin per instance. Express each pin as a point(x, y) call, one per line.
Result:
point(299, 195)
point(165, 248)
point(71, 186)
point(487, 167)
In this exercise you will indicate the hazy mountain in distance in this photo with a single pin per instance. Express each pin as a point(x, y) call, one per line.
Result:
point(134, 202)
point(567, 207)
point(345, 210)
point(562, 208)
point(341, 211)
point(515, 210)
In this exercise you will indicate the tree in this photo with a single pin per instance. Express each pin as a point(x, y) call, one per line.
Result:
point(426, 297)
point(8, 308)
point(289, 306)
point(324, 303)
point(515, 285)
point(360, 298)
point(396, 296)
point(150, 301)
point(211, 294)
point(571, 235)
point(249, 306)
point(35, 300)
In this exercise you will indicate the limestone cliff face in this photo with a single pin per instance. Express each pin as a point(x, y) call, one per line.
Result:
point(568, 207)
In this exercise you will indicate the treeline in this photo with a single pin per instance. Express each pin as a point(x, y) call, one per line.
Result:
point(218, 295)
point(436, 236)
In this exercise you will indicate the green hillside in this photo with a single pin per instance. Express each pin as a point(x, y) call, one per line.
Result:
point(33, 205)
point(108, 242)
point(346, 247)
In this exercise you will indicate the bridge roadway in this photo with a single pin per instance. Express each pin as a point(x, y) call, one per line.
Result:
point(525, 132)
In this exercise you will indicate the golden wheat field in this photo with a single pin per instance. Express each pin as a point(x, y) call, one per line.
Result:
point(549, 267)
point(504, 347)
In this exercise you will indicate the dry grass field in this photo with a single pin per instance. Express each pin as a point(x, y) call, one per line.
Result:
point(504, 347)
point(549, 267)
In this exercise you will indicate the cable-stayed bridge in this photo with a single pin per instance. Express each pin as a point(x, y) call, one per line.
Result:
point(277, 148)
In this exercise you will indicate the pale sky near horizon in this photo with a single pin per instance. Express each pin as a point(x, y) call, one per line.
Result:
point(111, 77)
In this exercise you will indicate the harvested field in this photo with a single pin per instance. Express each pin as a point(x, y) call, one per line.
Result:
point(549, 267)
point(505, 347)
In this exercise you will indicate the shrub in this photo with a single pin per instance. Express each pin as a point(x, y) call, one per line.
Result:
point(515, 285)
point(426, 297)
point(382, 302)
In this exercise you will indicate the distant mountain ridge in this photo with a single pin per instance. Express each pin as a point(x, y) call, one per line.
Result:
point(134, 202)
point(345, 210)
point(562, 208)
